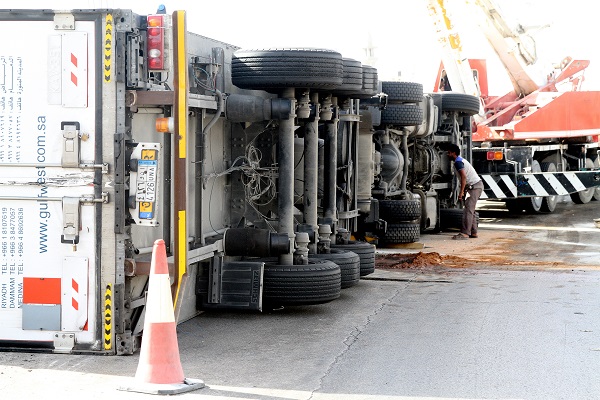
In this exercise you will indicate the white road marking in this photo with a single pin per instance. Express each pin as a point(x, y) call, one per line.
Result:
point(537, 228)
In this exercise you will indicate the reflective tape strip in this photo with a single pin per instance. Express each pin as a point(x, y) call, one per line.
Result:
point(574, 180)
point(75, 294)
point(493, 186)
point(108, 318)
point(108, 39)
point(159, 305)
point(182, 248)
point(181, 82)
point(535, 185)
point(504, 188)
point(510, 185)
point(556, 185)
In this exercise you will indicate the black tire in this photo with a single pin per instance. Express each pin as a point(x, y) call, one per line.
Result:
point(451, 218)
point(295, 285)
point(460, 102)
point(514, 206)
point(404, 232)
point(285, 68)
point(402, 115)
point(352, 79)
point(407, 92)
point(584, 196)
point(366, 253)
point(370, 80)
point(548, 202)
point(369, 85)
point(399, 210)
point(348, 261)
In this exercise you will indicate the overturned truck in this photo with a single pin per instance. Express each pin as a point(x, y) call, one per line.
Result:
point(269, 174)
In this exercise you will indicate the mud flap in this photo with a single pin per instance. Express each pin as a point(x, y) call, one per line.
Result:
point(230, 285)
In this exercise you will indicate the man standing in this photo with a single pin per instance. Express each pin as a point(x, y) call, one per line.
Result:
point(469, 183)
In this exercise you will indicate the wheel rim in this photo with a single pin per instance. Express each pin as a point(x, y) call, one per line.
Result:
point(585, 196)
point(536, 202)
point(549, 202)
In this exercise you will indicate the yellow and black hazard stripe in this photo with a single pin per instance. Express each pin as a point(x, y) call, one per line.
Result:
point(108, 39)
point(108, 318)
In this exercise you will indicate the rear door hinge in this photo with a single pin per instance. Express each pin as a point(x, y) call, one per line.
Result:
point(64, 21)
point(64, 342)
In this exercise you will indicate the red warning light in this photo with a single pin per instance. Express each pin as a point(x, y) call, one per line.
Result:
point(156, 42)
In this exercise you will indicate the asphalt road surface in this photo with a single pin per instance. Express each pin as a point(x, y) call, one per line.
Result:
point(495, 329)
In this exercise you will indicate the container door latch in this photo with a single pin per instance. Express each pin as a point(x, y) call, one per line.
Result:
point(71, 138)
point(71, 221)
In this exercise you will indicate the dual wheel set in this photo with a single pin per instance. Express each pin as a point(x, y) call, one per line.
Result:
point(321, 280)
point(320, 70)
point(403, 220)
point(327, 73)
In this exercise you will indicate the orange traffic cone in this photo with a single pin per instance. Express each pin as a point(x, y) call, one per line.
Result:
point(159, 369)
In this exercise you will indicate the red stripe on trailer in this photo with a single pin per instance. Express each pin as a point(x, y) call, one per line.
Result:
point(74, 62)
point(75, 287)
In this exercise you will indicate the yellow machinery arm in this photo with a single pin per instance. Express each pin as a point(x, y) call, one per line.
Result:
point(458, 70)
point(515, 49)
